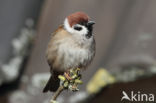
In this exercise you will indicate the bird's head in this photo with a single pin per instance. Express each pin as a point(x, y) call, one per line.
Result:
point(78, 23)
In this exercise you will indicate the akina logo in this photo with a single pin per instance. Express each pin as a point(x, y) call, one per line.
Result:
point(138, 96)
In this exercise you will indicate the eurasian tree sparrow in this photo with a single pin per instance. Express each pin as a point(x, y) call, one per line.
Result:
point(71, 46)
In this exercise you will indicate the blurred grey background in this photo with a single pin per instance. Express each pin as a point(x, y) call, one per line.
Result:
point(125, 37)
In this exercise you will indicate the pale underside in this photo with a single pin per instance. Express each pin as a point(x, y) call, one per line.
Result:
point(68, 51)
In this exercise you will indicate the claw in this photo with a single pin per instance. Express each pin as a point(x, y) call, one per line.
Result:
point(71, 79)
point(67, 76)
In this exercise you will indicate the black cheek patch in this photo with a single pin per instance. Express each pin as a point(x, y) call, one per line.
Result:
point(77, 28)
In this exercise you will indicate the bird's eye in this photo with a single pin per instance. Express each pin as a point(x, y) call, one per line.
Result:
point(77, 28)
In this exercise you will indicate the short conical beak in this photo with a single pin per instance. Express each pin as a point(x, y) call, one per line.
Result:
point(90, 23)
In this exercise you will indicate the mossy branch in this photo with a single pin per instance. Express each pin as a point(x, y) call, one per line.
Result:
point(70, 80)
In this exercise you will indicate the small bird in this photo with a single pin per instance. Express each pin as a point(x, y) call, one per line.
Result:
point(71, 46)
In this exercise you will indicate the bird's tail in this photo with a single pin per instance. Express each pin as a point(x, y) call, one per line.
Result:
point(52, 84)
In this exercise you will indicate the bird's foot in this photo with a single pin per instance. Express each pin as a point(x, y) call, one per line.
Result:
point(67, 75)
point(71, 79)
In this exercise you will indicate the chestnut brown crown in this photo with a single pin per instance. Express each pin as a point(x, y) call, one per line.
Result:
point(77, 18)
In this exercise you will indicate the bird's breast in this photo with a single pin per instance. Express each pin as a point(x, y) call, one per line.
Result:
point(71, 55)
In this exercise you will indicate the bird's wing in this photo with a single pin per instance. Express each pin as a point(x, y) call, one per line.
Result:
point(53, 46)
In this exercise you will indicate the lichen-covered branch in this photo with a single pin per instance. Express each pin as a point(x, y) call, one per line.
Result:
point(70, 81)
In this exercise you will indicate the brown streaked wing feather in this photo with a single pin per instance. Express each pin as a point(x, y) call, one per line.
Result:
point(53, 45)
point(51, 57)
point(51, 53)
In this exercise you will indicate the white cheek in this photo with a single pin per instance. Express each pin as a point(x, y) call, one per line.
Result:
point(82, 32)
